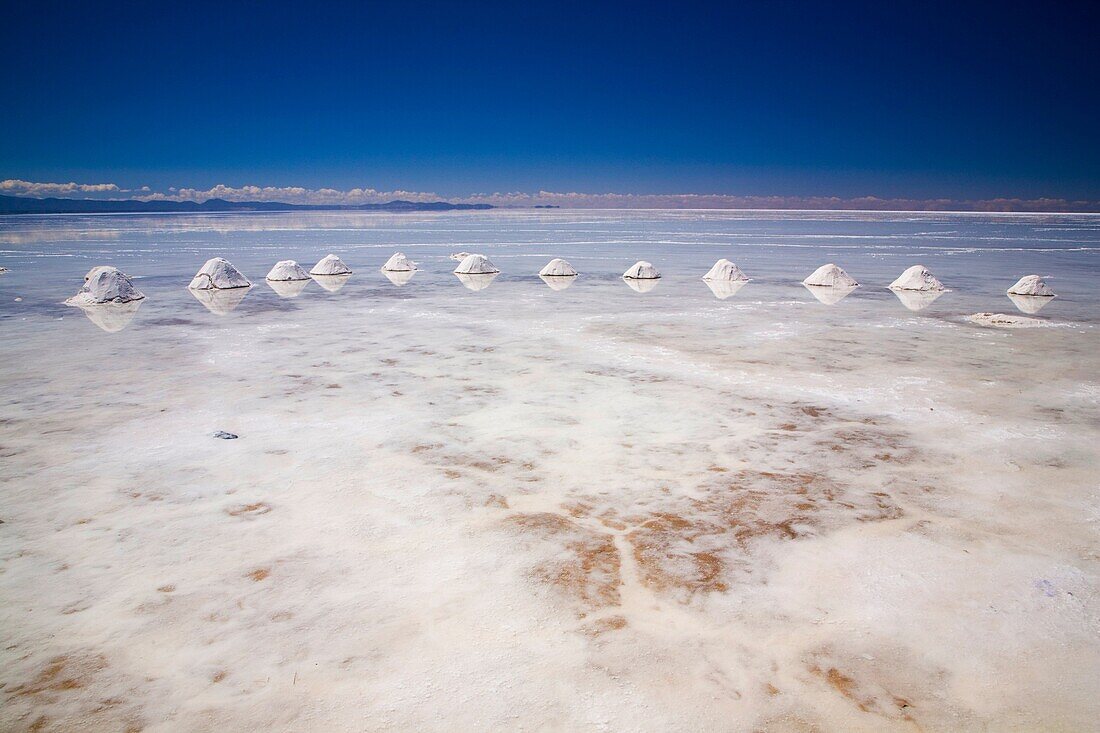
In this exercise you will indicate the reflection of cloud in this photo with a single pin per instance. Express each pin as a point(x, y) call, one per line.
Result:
point(111, 317)
point(917, 300)
point(220, 302)
point(477, 281)
point(1029, 303)
point(830, 295)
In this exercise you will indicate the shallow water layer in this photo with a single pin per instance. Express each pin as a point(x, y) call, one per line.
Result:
point(512, 504)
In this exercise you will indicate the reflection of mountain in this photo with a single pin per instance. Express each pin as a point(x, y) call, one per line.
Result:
point(723, 289)
point(332, 283)
point(478, 281)
point(288, 288)
point(830, 295)
point(917, 300)
point(111, 317)
point(641, 286)
point(220, 302)
point(21, 205)
point(1029, 303)
point(399, 277)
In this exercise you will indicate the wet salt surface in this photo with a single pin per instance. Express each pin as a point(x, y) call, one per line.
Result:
point(515, 507)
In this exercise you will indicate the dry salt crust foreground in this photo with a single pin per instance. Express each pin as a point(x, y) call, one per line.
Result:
point(473, 519)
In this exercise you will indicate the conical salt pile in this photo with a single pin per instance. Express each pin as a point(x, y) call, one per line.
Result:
point(724, 270)
point(286, 271)
point(1031, 285)
point(558, 267)
point(476, 265)
point(330, 265)
point(105, 285)
point(399, 263)
point(917, 277)
point(830, 276)
point(642, 270)
point(218, 274)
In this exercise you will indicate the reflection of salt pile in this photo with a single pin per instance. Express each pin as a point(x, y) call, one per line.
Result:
point(1000, 320)
point(1030, 303)
point(1031, 285)
point(641, 270)
point(400, 277)
point(830, 276)
point(641, 285)
point(830, 295)
point(330, 265)
point(723, 289)
point(916, 300)
point(399, 263)
point(287, 271)
point(557, 282)
point(476, 281)
point(218, 274)
point(111, 317)
point(476, 265)
point(288, 288)
point(331, 283)
point(917, 278)
point(105, 285)
point(220, 302)
point(558, 267)
point(725, 271)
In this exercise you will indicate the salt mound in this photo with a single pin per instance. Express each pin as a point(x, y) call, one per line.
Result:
point(399, 263)
point(476, 265)
point(218, 274)
point(331, 283)
point(330, 265)
point(557, 267)
point(641, 286)
point(289, 288)
point(459, 256)
point(220, 301)
point(723, 289)
point(1031, 285)
point(641, 270)
point(830, 276)
point(1000, 320)
point(830, 295)
point(476, 281)
point(111, 317)
point(105, 285)
point(287, 270)
point(1030, 303)
point(400, 277)
point(725, 271)
point(557, 282)
point(917, 277)
point(917, 300)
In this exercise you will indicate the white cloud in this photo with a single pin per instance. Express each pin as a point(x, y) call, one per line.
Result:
point(356, 196)
point(16, 187)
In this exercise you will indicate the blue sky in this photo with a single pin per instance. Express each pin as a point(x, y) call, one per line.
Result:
point(894, 100)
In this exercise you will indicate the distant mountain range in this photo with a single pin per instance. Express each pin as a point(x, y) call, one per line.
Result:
point(21, 205)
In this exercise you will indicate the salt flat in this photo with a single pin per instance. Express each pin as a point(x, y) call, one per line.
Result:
point(526, 508)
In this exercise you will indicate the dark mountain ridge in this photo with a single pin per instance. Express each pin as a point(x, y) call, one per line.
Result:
point(22, 205)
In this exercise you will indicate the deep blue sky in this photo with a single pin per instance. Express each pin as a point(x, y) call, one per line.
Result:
point(889, 99)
